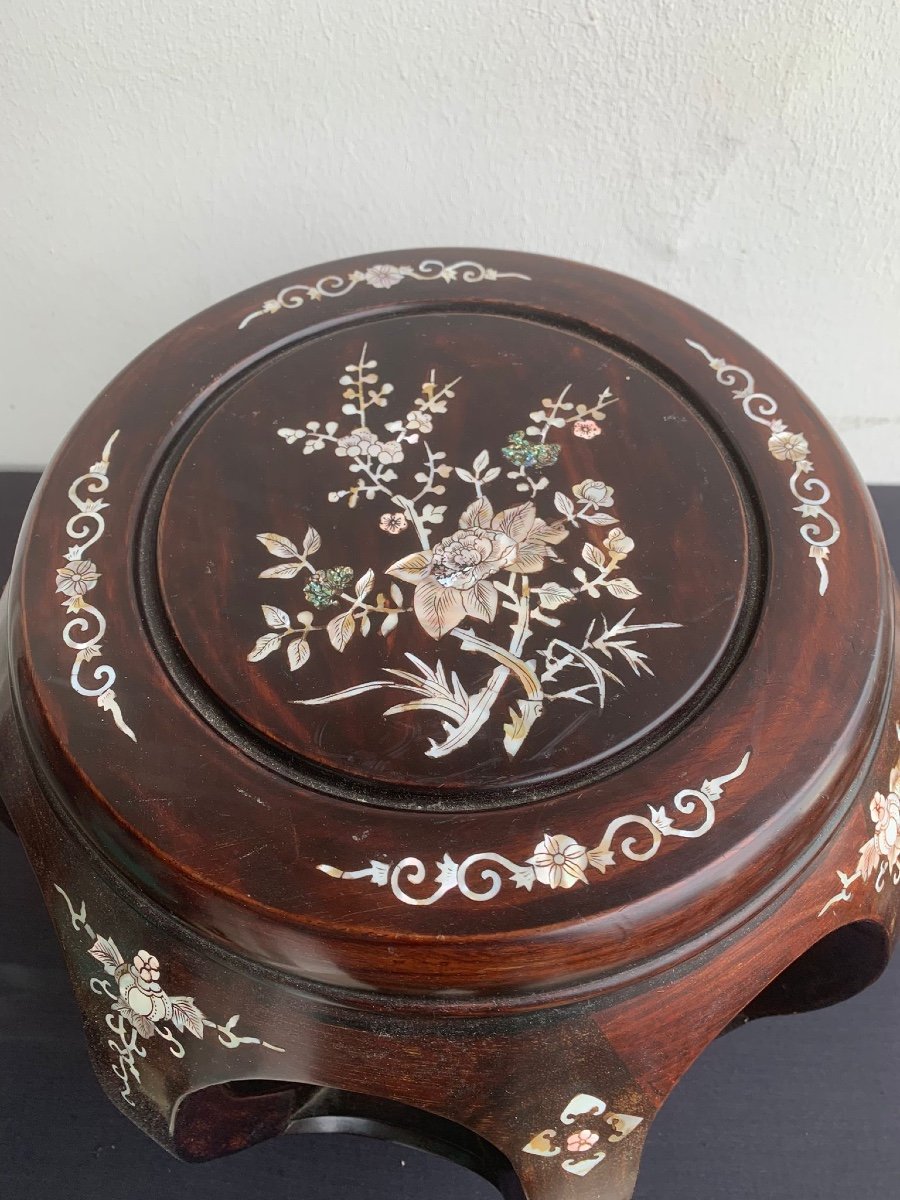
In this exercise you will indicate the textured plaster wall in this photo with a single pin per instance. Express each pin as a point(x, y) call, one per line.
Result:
point(156, 156)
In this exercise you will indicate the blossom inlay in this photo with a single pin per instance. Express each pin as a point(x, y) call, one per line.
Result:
point(820, 529)
point(587, 1146)
point(558, 860)
point(493, 581)
point(140, 1007)
point(879, 858)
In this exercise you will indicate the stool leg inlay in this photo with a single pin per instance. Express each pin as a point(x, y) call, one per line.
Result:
point(140, 1007)
point(881, 854)
point(587, 1143)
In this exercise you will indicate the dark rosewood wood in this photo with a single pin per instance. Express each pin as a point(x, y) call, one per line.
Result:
point(474, 688)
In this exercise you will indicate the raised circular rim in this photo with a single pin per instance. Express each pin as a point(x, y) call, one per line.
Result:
point(214, 710)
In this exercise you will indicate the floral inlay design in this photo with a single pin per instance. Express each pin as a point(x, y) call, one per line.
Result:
point(492, 568)
point(79, 575)
point(820, 529)
point(589, 1144)
point(140, 1007)
point(558, 860)
point(879, 858)
point(381, 275)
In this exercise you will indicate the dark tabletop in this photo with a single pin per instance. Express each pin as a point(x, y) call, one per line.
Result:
point(792, 1108)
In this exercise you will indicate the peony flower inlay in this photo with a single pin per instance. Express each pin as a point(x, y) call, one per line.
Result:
point(451, 580)
point(886, 815)
point(593, 491)
point(492, 580)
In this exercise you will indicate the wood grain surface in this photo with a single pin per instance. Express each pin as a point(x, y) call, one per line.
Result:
point(334, 778)
point(748, 1117)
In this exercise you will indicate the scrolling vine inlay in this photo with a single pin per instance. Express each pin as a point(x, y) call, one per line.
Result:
point(141, 1008)
point(382, 276)
point(558, 861)
point(879, 858)
point(820, 530)
point(511, 569)
point(78, 576)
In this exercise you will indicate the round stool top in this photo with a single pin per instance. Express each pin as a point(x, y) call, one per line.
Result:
point(452, 622)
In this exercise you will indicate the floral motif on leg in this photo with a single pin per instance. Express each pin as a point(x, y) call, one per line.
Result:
point(140, 1007)
point(879, 858)
point(586, 1147)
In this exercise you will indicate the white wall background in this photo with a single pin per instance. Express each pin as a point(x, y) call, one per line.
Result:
point(156, 156)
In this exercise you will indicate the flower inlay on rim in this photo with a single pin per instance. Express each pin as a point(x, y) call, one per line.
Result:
point(820, 530)
point(558, 861)
point(381, 276)
point(77, 577)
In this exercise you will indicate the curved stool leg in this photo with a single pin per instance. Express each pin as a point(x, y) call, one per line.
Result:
point(560, 1105)
point(533, 1113)
point(533, 1102)
point(548, 1096)
point(554, 1095)
point(841, 964)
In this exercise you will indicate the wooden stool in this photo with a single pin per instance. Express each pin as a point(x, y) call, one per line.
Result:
point(440, 693)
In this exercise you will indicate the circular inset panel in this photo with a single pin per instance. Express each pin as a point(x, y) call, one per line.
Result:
point(453, 553)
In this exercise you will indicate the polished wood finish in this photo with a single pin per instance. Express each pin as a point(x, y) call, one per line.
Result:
point(434, 979)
